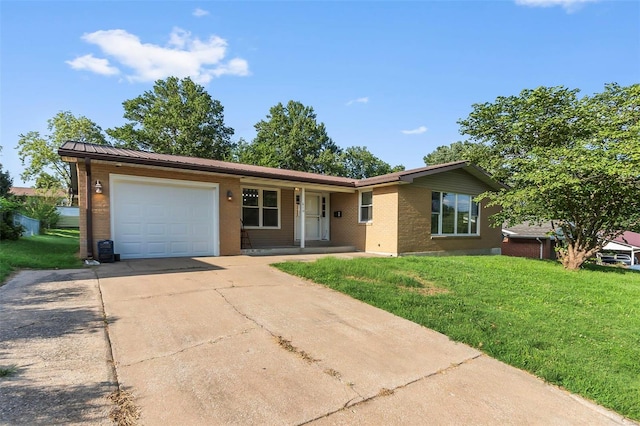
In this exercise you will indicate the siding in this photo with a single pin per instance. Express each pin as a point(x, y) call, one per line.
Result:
point(453, 181)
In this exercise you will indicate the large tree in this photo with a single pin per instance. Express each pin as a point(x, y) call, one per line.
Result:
point(359, 163)
point(175, 117)
point(291, 138)
point(477, 153)
point(572, 160)
point(40, 153)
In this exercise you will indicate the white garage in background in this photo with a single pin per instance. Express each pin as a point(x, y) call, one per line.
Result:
point(152, 217)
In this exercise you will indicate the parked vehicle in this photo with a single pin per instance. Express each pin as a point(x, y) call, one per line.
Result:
point(614, 258)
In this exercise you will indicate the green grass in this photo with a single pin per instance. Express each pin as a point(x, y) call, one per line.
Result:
point(57, 249)
point(579, 330)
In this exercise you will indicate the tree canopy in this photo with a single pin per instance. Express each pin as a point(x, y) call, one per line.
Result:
point(571, 160)
point(291, 138)
point(40, 153)
point(175, 117)
point(359, 163)
point(476, 153)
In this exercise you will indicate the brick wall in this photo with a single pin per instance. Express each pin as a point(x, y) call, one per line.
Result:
point(527, 247)
point(414, 227)
point(382, 232)
point(229, 215)
point(414, 223)
point(346, 230)
point(277, 237)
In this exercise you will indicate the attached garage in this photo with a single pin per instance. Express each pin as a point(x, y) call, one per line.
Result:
point(153, 217)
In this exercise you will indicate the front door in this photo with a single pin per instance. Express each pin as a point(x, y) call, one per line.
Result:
point(312, 217)
point(316, 222)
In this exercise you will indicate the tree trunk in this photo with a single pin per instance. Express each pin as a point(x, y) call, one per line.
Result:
point(572, 258)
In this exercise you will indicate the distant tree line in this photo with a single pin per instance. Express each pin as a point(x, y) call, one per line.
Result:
point(178, 116)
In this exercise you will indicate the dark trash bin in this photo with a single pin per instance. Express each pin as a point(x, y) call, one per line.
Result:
point(105, 251)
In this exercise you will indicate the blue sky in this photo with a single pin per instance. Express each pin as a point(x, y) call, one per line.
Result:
point(392, 76)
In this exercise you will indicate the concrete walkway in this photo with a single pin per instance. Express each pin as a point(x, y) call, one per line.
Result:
point(53, 341)
point(234, 341)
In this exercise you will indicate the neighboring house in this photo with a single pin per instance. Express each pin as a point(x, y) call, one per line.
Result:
point(33, 192)
point(158, 205)
point(627, 243)
point(529, 240)
point(68, 215)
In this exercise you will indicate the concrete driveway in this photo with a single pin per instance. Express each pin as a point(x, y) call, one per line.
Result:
point(234, 341)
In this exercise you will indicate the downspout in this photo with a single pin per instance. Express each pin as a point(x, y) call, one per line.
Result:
point(541, 247)
point(87, 165)
point(303, 217)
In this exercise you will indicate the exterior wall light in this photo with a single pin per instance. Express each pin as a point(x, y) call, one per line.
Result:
point(229, 195)
point(98, 187)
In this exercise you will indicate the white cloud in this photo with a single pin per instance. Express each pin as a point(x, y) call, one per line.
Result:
point(183, 56)
point(198, 13)
point(363, 100)
point(568, 5)
point(96, 65)
point(417, 131)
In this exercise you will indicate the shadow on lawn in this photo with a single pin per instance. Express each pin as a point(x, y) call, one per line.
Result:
point(610, 269)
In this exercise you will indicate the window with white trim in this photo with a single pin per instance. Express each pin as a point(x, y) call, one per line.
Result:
point(260, 208)
point(454, 214)
point(366, 206)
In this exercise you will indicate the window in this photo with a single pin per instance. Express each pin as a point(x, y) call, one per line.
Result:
point(453, 214)
point(366, 206)
point(260, 208)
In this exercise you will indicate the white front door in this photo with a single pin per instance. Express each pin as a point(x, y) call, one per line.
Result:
point(316, 220)
point(312, 217)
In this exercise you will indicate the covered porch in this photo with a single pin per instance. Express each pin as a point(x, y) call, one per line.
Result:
point(280, 217)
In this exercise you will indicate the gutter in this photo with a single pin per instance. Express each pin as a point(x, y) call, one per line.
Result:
point(341, 182)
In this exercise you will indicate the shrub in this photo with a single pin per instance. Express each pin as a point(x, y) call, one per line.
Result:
point(9, 230)
point(44, 209)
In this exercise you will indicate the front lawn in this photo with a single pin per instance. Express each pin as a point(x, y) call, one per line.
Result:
point(579, 330)
point(57, 249)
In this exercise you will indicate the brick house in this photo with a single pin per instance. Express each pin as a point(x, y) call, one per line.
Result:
point(158, 205)
point(529, 240)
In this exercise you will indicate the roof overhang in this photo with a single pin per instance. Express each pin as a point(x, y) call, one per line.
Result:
point(73, 151)
point(618, 246)
point(218, 168)
point(408, 176)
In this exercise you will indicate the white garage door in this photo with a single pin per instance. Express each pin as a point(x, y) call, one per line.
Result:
point(163, 217)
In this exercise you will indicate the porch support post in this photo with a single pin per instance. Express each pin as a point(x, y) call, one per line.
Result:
point(303, 214)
